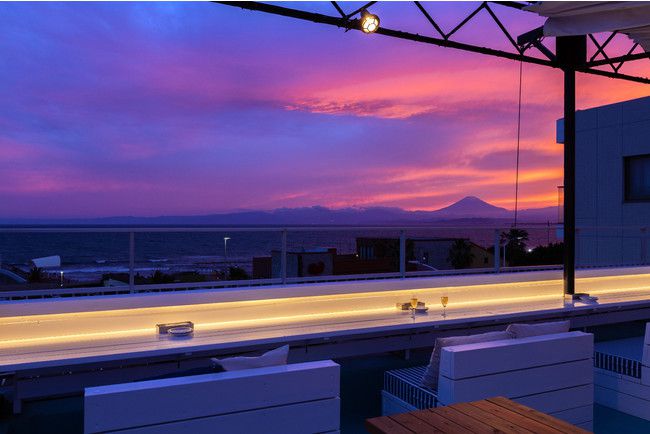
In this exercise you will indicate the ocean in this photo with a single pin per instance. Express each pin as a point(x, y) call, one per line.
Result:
point(86, 256)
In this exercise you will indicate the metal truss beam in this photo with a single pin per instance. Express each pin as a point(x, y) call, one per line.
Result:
point(347, 22)
point(626, 58)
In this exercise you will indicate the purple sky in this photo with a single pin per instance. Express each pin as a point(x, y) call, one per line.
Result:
point(191, 108)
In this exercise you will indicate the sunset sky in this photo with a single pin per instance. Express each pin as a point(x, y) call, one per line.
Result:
point(192, 108)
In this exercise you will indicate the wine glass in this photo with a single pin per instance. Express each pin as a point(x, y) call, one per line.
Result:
point(444, 300)
point(414, 305)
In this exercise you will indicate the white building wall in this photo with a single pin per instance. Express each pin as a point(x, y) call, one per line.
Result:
point(610, 229)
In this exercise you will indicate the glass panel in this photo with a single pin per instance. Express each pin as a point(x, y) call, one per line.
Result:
point(55, 260)
point(342, 251)
point(637, 178)
point(188, 257)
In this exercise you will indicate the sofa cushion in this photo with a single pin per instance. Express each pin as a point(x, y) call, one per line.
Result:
point(546, 328)
point(274, 357)
point(430, 377)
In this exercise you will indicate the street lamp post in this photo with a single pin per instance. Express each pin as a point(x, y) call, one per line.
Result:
point(225, 248)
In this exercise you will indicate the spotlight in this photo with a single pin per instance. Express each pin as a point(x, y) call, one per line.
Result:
point(369, 22)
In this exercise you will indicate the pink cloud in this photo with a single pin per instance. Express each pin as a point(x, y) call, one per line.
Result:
point(198, 108)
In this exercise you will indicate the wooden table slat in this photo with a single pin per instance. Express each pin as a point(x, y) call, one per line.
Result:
point(489, 418)
point(563, 426)
point(440, 422)
point(415, 424)
point(461, 419)
point(382, 425)
point(515, 418)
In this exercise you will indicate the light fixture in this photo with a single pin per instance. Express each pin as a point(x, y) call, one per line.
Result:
point(369, 22)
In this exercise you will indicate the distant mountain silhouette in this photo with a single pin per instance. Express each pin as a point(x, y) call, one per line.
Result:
point(470, 209)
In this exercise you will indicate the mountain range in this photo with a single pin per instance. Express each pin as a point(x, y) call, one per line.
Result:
point(469, 209)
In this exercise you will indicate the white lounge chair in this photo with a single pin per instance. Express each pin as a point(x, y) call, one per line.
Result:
point(550, 373)
point(622, 374)
point(298, 398)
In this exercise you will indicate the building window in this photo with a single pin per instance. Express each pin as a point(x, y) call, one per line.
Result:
point(637, 178)
point(367, 252)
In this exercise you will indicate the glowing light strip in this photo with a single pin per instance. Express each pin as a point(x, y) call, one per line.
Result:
point(280, 320)
point(289, 319)
point(312, 298)
point(623, 276)
point(73, 337)
point(208, 326)
point(228, 304)
point(619, 291)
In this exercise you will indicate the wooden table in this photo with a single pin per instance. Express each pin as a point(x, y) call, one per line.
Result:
point(487, 416)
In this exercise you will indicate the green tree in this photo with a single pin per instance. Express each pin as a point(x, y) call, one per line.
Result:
point(36, 275)
point(236, 273)
point(551, 254)
point(460, 254)
point(515, 242)
point(158, 277)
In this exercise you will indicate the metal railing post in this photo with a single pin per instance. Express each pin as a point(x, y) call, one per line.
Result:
point(644, 246)
point(497, 251)
point(283, 257)
point(402, 253)
point(576, 250)
point(131, 261)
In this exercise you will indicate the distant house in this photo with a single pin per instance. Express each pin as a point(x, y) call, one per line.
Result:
point(423, 253)
point(612, 183)
point(374, 255)
point(383, 249)
point(306, 263)
point(435, 253)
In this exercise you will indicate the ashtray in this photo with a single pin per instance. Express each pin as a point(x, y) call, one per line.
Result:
point(407, 306)
point(421, 309)
point(588, 298)
point(164, 329)
point(180, 331)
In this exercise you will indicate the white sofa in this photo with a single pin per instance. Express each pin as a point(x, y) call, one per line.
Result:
point(622, 374)
point(298, 398)
point(550, 373)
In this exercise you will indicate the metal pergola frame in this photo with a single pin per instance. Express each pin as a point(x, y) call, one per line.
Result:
point(570, 56)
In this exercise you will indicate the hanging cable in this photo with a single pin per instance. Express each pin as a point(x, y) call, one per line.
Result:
point(521, 64)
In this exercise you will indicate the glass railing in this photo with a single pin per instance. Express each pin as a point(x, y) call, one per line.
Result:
point(40, 261)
